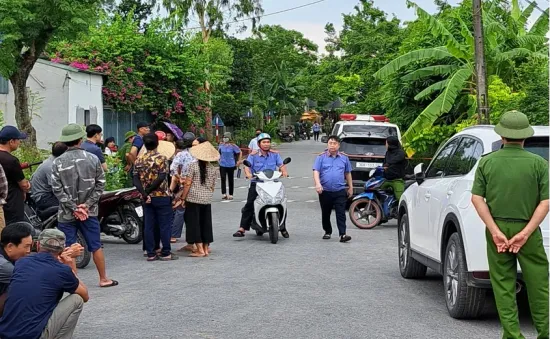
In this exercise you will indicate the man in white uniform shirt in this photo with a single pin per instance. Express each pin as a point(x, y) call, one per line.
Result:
point(253, 144)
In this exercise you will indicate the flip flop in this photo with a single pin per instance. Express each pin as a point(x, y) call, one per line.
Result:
point(113, 283)
point(285, 234)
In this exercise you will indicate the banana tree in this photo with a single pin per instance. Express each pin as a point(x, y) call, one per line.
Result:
point(285, 92)
point(506, 44)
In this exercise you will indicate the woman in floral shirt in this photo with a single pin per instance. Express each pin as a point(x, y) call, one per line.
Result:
point(199, 184)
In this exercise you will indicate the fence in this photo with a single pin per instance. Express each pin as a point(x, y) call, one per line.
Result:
point(116, 124)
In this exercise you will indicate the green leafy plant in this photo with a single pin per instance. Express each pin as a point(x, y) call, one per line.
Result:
point(115, 176)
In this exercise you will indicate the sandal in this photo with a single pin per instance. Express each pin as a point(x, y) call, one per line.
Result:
point(229, 197)
point(326, 236)
point(197, 255)
point(169, 257)
point(238, 234)
point(285, 234)
point(224, 197)
point(113, 283)
point(173, 240)
point(155, 258)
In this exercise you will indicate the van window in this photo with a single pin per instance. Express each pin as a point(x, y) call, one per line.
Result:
point(368, 130)
point(537, 145)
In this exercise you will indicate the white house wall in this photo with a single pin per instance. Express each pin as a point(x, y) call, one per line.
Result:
point(51, 115)
point(85, 94)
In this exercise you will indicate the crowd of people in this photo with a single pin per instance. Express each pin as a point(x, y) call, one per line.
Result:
point(177, 185)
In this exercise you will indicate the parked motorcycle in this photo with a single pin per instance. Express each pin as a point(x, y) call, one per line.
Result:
point(47, 219)
point(121, 214)
point(285, 136)
point(270, 205)
point(375, 205)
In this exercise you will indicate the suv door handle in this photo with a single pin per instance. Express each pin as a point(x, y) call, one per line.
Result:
point(427, 196)
point(450, 192)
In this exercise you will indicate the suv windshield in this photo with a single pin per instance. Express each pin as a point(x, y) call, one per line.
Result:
point(538, 145)
point(384, 131)
point(363, 146)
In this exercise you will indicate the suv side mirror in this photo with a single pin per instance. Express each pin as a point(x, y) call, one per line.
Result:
point(286, 161)
point(324, 139)
point(419, 173)
point(247, 163)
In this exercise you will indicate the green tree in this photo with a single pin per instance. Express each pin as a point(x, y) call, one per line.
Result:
point(211, 15)
point(27, 27)
point(369, 39)
point(505, 48)
point(140, 10)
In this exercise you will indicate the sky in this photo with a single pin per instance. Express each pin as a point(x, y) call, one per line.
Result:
point(311, 20)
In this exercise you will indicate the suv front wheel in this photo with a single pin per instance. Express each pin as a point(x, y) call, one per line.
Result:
point(408, 266)
point(462, 301)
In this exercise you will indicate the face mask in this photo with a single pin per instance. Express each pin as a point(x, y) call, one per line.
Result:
point(225, 139)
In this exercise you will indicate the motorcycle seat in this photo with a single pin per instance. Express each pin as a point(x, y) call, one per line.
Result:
point(108, 194)
point(48, 212)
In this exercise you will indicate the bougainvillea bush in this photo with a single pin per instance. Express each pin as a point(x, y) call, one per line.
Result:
point(159, 71)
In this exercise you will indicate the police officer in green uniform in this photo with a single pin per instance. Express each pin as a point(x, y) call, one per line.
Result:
point(510, 194)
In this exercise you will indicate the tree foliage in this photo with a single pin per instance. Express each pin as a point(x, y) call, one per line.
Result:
point(26, 27)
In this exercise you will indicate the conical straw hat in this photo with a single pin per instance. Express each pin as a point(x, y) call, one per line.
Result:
point(165, 148)
point(205, 152)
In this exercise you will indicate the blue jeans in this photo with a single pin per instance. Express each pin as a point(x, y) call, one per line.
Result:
point(177, 225)
point(158, 213)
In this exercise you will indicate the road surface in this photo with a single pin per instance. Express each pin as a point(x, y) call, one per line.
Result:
point(302, 287)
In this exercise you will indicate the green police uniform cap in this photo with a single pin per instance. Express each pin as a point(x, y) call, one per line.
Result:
point(72, 132)
point(514, 125)
point(129, 134)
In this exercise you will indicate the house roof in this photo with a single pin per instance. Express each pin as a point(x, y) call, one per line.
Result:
point(66, 67)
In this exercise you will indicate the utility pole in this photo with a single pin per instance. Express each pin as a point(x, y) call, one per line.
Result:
point(481, 72)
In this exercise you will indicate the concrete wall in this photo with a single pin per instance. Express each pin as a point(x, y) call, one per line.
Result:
point(62, 94)
point(48, 85)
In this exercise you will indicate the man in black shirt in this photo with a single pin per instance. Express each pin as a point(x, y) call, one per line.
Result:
point(395, 164)
point(14, 209)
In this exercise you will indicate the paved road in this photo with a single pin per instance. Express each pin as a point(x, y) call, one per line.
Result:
point(303, 287)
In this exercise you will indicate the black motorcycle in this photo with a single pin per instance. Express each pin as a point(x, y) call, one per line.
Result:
point(47, 219)
point(285, 136)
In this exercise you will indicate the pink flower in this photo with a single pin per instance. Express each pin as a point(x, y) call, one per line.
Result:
point(129, 70)
point(155, 113)
point(57, 59)
point(139, 84)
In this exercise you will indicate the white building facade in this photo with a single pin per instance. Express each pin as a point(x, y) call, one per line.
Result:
point(58, 95)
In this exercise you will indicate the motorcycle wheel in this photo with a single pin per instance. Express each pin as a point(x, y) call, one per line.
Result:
point(365, 208)
point(134, 235)
point(84, 259)
point(274, 228)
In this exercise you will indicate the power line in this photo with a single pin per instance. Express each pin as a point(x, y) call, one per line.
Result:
point(268, 14)
point(536, 6)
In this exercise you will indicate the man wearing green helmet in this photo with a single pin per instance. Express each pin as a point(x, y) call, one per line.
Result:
point(510, 194)
point(264, 159)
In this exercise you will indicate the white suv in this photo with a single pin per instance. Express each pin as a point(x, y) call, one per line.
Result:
point(438, 226)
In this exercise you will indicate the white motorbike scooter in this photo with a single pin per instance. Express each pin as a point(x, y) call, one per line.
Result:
point(270, 205)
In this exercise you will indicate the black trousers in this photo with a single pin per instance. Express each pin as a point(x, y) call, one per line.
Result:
point(198, 223)
point(156, 236)
point(227, 173)
point(316, 136)
point(336, 200)
point(248, 209)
